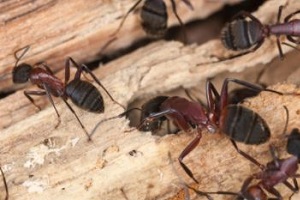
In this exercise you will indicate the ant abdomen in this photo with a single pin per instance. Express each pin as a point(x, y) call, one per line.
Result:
point(241, 34)
point(243, 125)
point(154, 18)
point(85, 95)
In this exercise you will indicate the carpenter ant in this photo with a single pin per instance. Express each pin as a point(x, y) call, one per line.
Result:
point(5, 184)
point(152, 105)
point(241, 34)
point(273, 173)
point(154, 16)
point(237, 122)
point(82, 93)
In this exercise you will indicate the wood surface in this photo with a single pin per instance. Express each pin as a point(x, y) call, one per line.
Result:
point(41, 162)
point(56, 29)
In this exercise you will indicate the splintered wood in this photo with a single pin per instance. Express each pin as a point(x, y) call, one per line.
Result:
point(44, 162)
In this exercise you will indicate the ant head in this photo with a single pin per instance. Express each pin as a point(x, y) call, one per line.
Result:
point(21, 73)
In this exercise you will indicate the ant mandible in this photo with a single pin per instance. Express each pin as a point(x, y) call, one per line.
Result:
point(82, 93)
point(241, 34)
point(154, 16)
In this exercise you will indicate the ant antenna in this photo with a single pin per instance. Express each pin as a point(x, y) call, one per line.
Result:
point(18, 58)
point(287, 119)
point(114, 117)
point(186, 186)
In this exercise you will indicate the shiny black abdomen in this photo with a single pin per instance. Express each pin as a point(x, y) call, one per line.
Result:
point(85, 95)
point(154, 18)
point(243, 125)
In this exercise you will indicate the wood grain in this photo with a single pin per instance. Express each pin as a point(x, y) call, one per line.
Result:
point(56, 29)
point(41, 162)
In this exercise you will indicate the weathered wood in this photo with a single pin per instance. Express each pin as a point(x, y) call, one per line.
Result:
point(41, 162)
point(56, 29)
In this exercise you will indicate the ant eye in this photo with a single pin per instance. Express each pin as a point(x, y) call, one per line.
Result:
point(21, 73)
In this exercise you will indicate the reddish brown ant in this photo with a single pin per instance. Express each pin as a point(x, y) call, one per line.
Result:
point(154, 16)
point(82, 93)
point(232, 120)
point(273, 173)
point(241, 34)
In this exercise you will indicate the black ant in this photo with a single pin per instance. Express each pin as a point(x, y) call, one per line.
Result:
point(232, 120)
point(154, 16)
point(82, 93)
point(241, 34)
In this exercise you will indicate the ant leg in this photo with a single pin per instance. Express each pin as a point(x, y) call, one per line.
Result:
point(46, 67)
point(212, 102)
point(190, 147)
point(126, 15)
point(275, 157)
point(247, 156)
point(291, 39)
point(37, 93)
point(85, 131)
point(110, 118)
point(52, 102)
point(287, 18)
point(5, 184)
point(279, 48)
point(179, 20)
point(224, 90)
point(275, 192)
point(279, 13)
point(294, 188)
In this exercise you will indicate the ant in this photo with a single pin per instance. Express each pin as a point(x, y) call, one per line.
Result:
point(273, 173)
point(232, 120)
point(150, 106)
point(241, 34)
point(154, 16)
point(82, 93)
